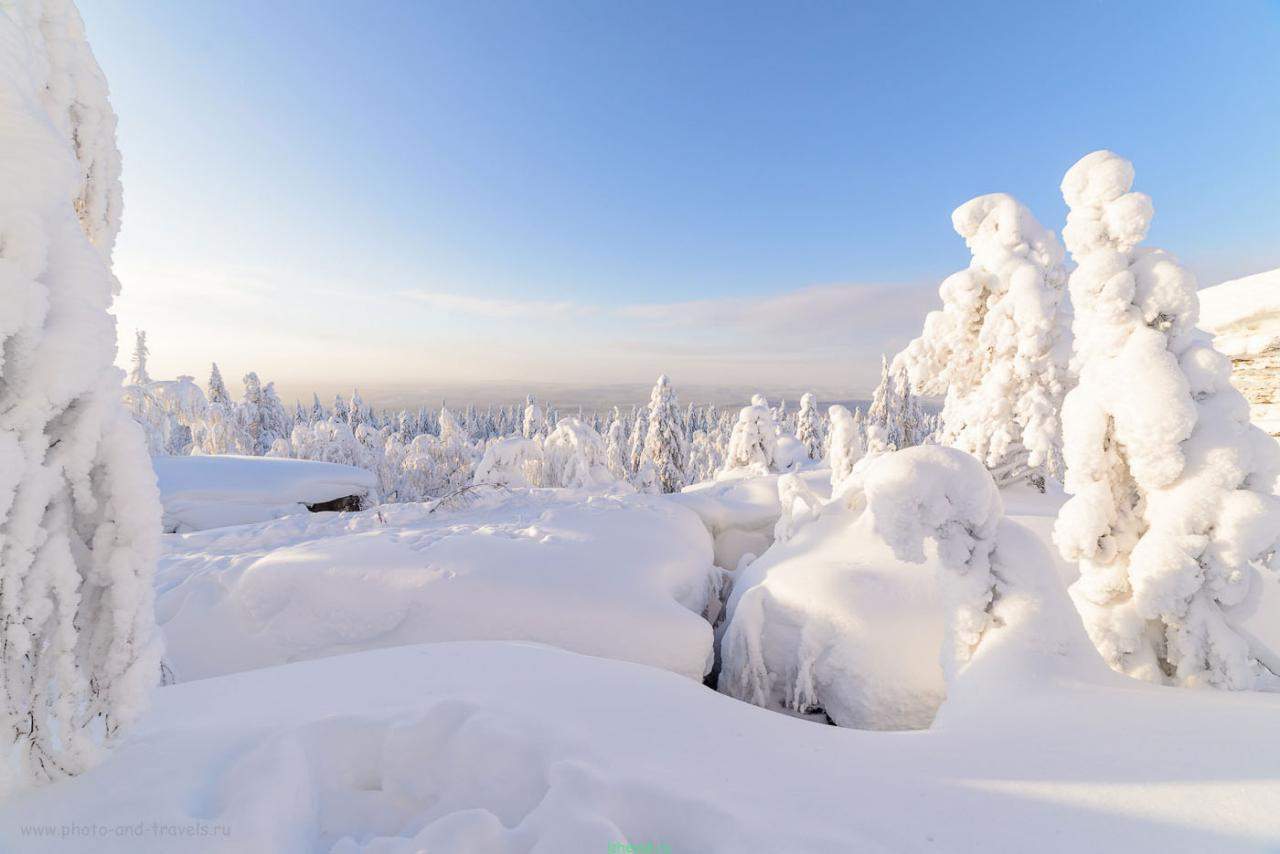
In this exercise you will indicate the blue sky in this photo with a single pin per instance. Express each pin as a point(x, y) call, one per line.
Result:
point(409, 192)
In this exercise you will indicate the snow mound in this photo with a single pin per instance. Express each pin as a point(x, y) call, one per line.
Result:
point(1244, 317)
point(867, 613)
point(1232, 310)
point(201, 492)
point(626, 577)
point(496, 748)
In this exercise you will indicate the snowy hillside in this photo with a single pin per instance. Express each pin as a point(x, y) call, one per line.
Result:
point(1244, 317)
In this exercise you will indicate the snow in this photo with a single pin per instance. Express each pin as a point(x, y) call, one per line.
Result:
point(214, 491)
point(625, 576)
point(1243, 311)
point(741, 509)
point(503, 747)
point(1244, 318)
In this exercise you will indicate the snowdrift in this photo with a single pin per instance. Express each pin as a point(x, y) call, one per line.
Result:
point(201, 492)
point(625, 577)
point(1244, 317)
point(491, 748)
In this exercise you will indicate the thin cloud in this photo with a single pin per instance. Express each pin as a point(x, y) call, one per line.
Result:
point(498, 308)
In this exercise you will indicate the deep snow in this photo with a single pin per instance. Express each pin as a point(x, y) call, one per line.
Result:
point(626, 576)
point(502, 747)
point(201, 492)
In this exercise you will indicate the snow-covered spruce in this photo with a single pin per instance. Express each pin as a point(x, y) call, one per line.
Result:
point(809, 426)
point(895, 419)
point(1172, 488)
point(998, 347)
point(665, 448)
point(574, 457)
point(79, 509)
point(753, 441)
point(846, 446)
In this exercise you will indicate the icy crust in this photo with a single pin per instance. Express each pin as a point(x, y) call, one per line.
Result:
point(502, 748)
point(626, 577)
point(203, 492)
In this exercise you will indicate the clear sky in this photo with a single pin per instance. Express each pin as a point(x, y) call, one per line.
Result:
point(403, 192)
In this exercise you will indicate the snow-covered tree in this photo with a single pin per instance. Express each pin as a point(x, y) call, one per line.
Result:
point(846, 446)
point(138, 373)
point(1172, 488)
point(809, 426)
point(883, 425)
point(664, 444)
point(615, 449)
point(754, 439)
point(514, 461)
point(535, 422)
point(574, 457)
point(218, 393)
point(998, 346)
point(639, 432)
point(251, 415)
point(276, 423)
point(79, 509)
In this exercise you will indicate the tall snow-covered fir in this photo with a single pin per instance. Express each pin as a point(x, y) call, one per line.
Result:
point(997, 349)
point(138, 373)
point(665, 447)
point(809, 426)
point(1172, 488)
point(79, 509)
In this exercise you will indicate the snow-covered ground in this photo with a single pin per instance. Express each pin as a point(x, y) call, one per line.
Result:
point(522, 673)
point(506, 747)
point(1244, 317)
point(200, 492)
point(626, 576)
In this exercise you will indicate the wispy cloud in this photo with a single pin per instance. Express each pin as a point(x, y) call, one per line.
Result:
point(497, 307)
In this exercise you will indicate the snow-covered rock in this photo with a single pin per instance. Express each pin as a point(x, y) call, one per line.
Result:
point(626, 577)
point(1244, 317)
point(496, 748)
point(873, 610)
point(201, 492)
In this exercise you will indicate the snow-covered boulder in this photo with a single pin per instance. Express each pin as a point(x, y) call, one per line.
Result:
point(1244, 317)
point(626, 577)
point(203, 492)
point(874, 610)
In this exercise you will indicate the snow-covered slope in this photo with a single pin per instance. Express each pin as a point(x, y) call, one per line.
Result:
point(200, 492)
point(626, 577)
point(1244, 317)
point(489, 748)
